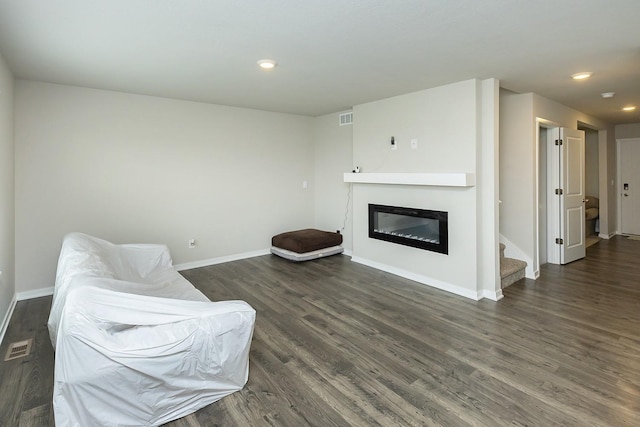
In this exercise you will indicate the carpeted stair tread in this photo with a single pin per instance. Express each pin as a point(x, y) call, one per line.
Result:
point(511, 270)
point(510, 265)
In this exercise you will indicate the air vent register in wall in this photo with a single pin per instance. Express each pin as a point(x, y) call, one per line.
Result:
point(346, 118)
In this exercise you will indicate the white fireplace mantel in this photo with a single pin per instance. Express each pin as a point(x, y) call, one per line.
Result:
point(455, 179)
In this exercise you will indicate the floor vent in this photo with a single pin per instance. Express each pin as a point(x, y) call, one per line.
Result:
point(19, 349)
point(346, 118)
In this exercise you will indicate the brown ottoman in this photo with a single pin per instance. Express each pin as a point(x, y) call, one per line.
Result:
point(307, 244)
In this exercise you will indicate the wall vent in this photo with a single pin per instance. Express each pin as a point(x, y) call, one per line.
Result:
point(19, 349)
point(346, 118)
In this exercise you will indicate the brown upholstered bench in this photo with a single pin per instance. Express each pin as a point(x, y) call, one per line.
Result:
point(307, 244)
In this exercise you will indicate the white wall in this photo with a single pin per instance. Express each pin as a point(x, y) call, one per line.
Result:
point(629, 130)
point(7, 282)
point(447, 124)
point(132, 168)
point(333, 156)
point(442, 119)
point(517, 175)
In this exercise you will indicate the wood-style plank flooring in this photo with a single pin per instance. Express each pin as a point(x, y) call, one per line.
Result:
point(338, 344)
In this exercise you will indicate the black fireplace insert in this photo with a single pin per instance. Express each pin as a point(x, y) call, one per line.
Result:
point(418, 228)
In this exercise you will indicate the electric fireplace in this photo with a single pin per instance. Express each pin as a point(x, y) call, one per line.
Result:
point(418, 228)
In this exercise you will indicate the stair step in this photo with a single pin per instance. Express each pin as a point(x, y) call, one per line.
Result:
point(511, 270)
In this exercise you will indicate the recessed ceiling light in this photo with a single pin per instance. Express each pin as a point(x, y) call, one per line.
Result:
point(581, 76)
point(629, 108)
point(608, 94)
point(267, 64)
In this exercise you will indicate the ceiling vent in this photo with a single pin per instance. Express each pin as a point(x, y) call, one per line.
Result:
point(346, 118)
point(19, 349)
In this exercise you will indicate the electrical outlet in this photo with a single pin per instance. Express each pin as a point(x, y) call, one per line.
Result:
point(192, 243)
point(414, 144)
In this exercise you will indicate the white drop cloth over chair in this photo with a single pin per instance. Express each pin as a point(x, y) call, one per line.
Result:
point(136, 343)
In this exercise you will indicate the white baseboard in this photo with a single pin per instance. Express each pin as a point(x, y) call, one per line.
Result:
point(36, 293)
point(529, 273)
point(229, 258)
point(7, 318)
point(606, 236)
point(435, 283)
point(493, 295)
point(21, 296)
point(220, 260)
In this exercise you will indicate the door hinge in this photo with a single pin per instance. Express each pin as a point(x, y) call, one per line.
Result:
point(558, 142)
point(559, 191)
point(559, 241)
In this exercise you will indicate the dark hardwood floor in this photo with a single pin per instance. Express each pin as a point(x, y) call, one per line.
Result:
point(337, 343)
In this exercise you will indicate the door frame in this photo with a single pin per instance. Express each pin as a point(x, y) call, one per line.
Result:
point(547, 124)
point(604, 177)
point(619, 141)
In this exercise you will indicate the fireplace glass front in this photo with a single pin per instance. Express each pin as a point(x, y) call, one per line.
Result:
point(418, 228)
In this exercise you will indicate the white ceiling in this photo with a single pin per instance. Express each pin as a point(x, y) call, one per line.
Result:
point(332, 54)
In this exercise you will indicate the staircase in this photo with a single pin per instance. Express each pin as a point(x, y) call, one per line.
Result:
point(511, 270)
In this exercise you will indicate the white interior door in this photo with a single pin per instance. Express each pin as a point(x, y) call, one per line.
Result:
point(629, 155)
point(572, 197)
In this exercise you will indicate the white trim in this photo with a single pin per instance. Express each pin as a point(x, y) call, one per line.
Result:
point(529, 273)
point(488, 221)
point(513, 251)
point(462, 179)
point(493, 295)
point(618, 197)
point(454, 289)
point(7, 318)
point(21, 296)
point(536, 191)
point(607, 236)
point(619, 141)
point(221, 260)
point(35, 293)
point(532, 270)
